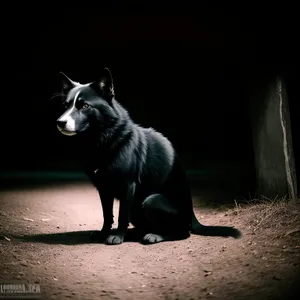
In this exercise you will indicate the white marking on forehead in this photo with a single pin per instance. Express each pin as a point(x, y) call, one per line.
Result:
point(73, 106)
point(75, 98)
point(66, 117)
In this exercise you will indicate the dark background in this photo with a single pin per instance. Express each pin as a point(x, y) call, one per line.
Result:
point(183, 69)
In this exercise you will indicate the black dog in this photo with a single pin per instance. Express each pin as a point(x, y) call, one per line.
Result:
point(136, 165)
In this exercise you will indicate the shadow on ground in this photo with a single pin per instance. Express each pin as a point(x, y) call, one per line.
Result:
point(74, 237)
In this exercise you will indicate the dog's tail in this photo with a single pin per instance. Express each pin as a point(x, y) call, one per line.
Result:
point(224, 231)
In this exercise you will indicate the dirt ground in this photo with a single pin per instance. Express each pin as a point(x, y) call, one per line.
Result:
point(45, 239)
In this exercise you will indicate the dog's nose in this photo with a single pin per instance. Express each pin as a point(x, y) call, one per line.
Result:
point(61, 124)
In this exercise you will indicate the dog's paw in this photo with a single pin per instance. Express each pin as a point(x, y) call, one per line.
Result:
point(115, 239)
point(151, 238)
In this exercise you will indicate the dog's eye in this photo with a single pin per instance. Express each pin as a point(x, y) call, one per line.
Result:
point(85, 106)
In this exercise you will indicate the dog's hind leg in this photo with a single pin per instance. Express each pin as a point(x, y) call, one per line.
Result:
point(167, 223)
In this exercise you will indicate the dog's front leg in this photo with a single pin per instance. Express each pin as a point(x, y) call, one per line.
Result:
point(123, 221)
point(107, 202)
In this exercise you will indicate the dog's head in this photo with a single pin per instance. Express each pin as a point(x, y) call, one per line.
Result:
point(87, 106)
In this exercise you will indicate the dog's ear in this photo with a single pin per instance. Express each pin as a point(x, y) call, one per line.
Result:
point(104, 84)
point(67, 83)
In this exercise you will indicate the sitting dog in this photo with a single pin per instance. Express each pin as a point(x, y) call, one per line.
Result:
point(136, 165)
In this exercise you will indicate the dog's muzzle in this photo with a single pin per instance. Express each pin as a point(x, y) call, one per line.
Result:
point(61, 126)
